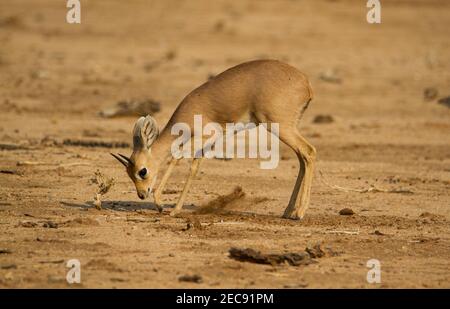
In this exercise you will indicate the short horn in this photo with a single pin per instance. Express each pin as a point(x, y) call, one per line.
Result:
point(126, 158)
point(121, 160)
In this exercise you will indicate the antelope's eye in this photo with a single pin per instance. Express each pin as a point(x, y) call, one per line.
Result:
point(143, 173)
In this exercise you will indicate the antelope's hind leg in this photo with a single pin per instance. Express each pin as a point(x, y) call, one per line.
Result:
point(306, 153)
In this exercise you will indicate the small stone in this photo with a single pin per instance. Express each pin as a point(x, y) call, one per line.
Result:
point(191, 278)
point(50, 224)
point(430, 93)
point(5, 251)
point(323, 119)
point(346, 212)
point(445, 101)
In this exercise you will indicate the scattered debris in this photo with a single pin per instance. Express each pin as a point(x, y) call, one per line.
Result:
point(221, 202)
point(132, 108)
point(445, 101)
point(222, 158)
point(50, 224)
point(424, 239)
point(49, 141)
point(261, 199)
point(137, 220)
point(93, 144)
point(81, 221)
point(316, 251)
point(323, 119)
point(253, 256)
point(192, 223)
point(191, 278)
point(378, 233)
point(427, 218)
point(118, 280)
point(5, 251)
point(46, 224)
point(430, 93)
point(346, 212)
point(27, 224)
point(52, 262)
point(330, 76)
point(104, 185)
point(9, 172)
point(4, 146)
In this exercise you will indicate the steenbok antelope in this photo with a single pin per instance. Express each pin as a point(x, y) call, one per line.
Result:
point(266, 91)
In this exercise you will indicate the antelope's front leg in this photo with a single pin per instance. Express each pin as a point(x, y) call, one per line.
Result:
point(195, 165)
point(157, 193)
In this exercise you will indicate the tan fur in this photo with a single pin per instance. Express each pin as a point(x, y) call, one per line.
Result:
point(267, 91)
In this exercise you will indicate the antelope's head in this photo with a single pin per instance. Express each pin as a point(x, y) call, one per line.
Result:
point(140, 166)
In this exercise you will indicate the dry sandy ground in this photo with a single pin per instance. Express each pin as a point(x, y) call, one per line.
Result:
point(56, 77)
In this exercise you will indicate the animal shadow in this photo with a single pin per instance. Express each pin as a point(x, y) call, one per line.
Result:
point(124, 205)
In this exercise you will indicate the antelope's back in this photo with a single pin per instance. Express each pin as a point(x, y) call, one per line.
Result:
point(259, 85)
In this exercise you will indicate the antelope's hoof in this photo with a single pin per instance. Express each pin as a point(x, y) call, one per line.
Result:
point(291, 216)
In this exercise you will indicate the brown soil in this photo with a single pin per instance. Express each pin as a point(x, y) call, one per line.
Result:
point(55, 78)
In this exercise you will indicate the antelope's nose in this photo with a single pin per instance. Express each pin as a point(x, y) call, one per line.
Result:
point(141, 195)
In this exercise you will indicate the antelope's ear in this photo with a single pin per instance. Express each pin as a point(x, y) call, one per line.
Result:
point(145, 132)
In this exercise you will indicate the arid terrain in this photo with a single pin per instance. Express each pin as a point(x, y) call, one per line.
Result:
point(376, 88)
